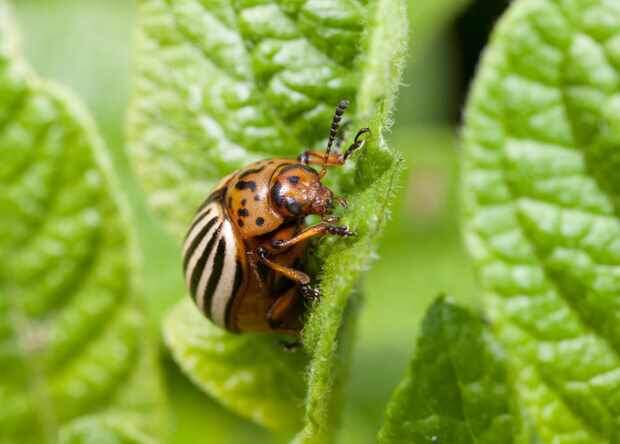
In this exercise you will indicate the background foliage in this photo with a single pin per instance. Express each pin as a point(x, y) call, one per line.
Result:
point(86, 45)
point(540, 205)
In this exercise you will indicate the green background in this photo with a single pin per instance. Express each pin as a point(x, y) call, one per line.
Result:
point(88, 47)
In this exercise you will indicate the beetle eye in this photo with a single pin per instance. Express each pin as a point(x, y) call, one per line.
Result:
point(292, 206)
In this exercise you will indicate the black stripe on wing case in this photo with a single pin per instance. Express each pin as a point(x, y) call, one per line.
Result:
point(235, 289)
point(200, 264)
point(197, 221)
point(196, 241)
point(216, 273)
point(217, 195)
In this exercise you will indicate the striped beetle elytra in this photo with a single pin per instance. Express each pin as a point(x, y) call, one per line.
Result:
point(242, 252)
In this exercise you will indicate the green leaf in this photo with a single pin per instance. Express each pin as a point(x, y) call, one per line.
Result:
point(457, 389)
point(221, 84)
point(247, 373)
point(73, 353)
point(329, 332)
point(541, 139)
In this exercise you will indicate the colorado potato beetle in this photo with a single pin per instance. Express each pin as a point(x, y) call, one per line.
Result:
point(242, 252)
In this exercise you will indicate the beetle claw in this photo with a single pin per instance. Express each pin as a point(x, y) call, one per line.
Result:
point(340, 231)
point(330, 218)
point(277, 243)
point(290, 346)
point(309, 292)
point(341, 201)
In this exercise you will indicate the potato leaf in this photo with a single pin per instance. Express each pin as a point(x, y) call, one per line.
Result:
point(233, 368)
point(222, 83)
point(541, 141)
point(74, 356)
point(457, 389)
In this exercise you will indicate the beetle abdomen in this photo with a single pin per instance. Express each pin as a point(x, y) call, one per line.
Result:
point(214, 269)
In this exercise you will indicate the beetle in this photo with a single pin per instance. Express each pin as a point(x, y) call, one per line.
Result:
point(242, 251)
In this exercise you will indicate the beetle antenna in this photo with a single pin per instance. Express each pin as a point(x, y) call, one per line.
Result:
point(333, 131)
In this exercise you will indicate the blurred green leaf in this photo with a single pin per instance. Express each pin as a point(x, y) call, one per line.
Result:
point(541, 124)
point(221, 85)
point(457, 389)
point(429, 86)
point(74, 357)
point(428, 18)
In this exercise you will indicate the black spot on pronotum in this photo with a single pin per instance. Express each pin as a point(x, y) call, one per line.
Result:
point(243, 212)
point(260, 221)
point(243, 202)
point(256, 197)
point(293, 180)
point(243, 185)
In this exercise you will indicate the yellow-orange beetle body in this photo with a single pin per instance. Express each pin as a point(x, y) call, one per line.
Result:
point(243, 249)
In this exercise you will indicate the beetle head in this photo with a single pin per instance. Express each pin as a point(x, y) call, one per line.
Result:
point(297, 191)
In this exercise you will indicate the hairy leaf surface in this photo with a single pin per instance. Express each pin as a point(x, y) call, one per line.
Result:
point(75, 362)
point(457, 389)
point(541, 201)
point(224, 83)
point(234, 368)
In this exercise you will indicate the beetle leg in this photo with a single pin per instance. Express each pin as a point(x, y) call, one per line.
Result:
point(309, 292)
point(253, 259)
point(317, 158)
point(341, 201)
point(357, 143)
point(330, 218)
point(290, 346)
point(316, 230)
point(333, 158)
point(292, 274)
point(281, 307)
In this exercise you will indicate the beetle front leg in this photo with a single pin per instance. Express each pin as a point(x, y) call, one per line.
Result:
point(333, 158)
point(281, 308)
point(357, 143)
point(316, 230)
point(300, 277)
point(317, 158)
point(294, 275)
